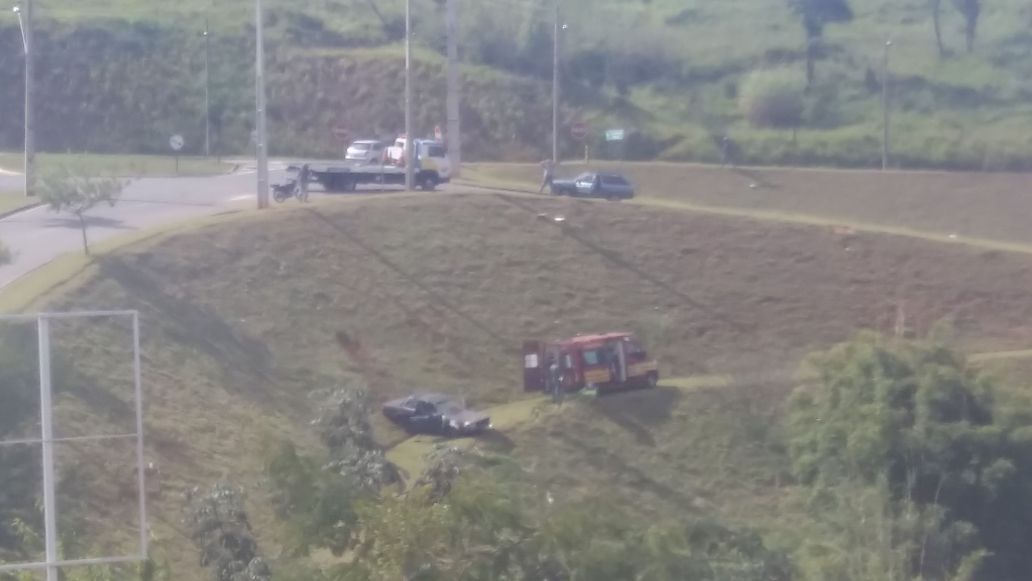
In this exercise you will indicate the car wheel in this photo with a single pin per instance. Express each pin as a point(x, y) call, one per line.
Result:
point(652, 380)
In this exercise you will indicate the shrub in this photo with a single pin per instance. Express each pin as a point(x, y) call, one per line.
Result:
point(773, 98)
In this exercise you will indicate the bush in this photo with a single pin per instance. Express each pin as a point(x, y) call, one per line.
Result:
point(773, 98)
point(914, 416)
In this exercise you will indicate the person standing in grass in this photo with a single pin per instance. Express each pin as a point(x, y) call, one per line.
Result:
point(302, 182)
point(548, 171)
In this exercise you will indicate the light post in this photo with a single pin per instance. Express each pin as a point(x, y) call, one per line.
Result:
point(260, 144)
point(409, 151)
point(207, 94)
point(885, 107)
point(555, 86)
point(25, 24)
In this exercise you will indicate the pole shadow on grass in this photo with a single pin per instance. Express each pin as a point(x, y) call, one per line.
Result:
point(410, 278)
point(192, 325)
point(617, 259)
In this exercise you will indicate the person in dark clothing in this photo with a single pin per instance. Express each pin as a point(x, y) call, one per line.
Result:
point(302, 182)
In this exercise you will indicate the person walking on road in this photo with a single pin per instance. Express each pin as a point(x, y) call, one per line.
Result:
point(548, 171)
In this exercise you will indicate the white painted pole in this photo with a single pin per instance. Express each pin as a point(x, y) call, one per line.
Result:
point(260, 136)
point(141, 479)
point(555, 86)
point(46, 411)
point(30, 92)
point(885, 108)
point(454, 89)
point(410, 177)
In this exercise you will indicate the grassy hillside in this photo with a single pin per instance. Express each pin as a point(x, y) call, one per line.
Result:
point(670, 72)
point(438, 292)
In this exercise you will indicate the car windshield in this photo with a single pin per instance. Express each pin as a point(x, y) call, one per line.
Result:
point(362, 146)
point(585, 177)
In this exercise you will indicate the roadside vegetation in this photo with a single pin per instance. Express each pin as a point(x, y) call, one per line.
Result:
point(673, 74)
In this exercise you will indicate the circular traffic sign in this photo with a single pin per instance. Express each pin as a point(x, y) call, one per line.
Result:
point(176, 142)
point(579, 130)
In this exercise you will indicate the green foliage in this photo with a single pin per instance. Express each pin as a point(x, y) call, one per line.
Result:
point(914, 416)
point(67, 190)
point(815, 15)
point(344, 427)
point(773, 98)
point(219, 526)
point(482, 531)
point(317, 505)
point(970, 9)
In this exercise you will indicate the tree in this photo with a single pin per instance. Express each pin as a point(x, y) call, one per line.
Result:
point(220, 528)
point(971, 9)
point(935, 6)
point(67, 190)
point(815, 15)
point(914, 416)
point(345, 429)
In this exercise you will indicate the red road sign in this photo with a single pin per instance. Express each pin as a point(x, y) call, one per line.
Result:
point(579, 130)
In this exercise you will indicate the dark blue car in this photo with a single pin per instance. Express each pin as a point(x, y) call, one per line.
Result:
point(611, 186)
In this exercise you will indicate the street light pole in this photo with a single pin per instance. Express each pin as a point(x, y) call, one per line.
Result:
point(25, 22)
point(207, 95)
point(260, 143)
point(555, 86)
point(454, 131)
point(409, 152)
point(885, 108)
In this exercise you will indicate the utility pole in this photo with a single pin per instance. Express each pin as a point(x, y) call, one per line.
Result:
point(885, 108)
point(410, 176)
point(262, 153)
point(25, 22)
point(207, 98)
point(454, 135)
point(555, 87)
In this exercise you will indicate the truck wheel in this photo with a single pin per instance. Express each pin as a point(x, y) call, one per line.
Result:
point(652, 380)
point(429, 183)
point(349, 185)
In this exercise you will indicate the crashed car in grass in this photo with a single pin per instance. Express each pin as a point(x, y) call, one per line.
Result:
point(611, 186)
point(434, 413)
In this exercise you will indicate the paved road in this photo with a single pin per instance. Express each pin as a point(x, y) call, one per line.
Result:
point(38, 236)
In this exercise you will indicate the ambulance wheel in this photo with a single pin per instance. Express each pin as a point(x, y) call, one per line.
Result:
point(652, 380)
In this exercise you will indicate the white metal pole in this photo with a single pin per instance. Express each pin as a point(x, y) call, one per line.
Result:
point(260, 136)
point(555, 87)
point(141, 479)
point(30, 92)
point(207, 92)
point(46, 411)
point(454, 89)
point(409, 138)
point(885, 108)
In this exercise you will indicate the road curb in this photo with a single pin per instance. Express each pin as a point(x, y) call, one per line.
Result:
point(21, 209)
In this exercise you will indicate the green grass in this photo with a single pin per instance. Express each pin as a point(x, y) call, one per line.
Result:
point(11, 201)
point(103, 165)
point(437, 292)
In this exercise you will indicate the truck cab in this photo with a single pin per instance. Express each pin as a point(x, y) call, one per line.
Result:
point(607, 362)
point(432, 162)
